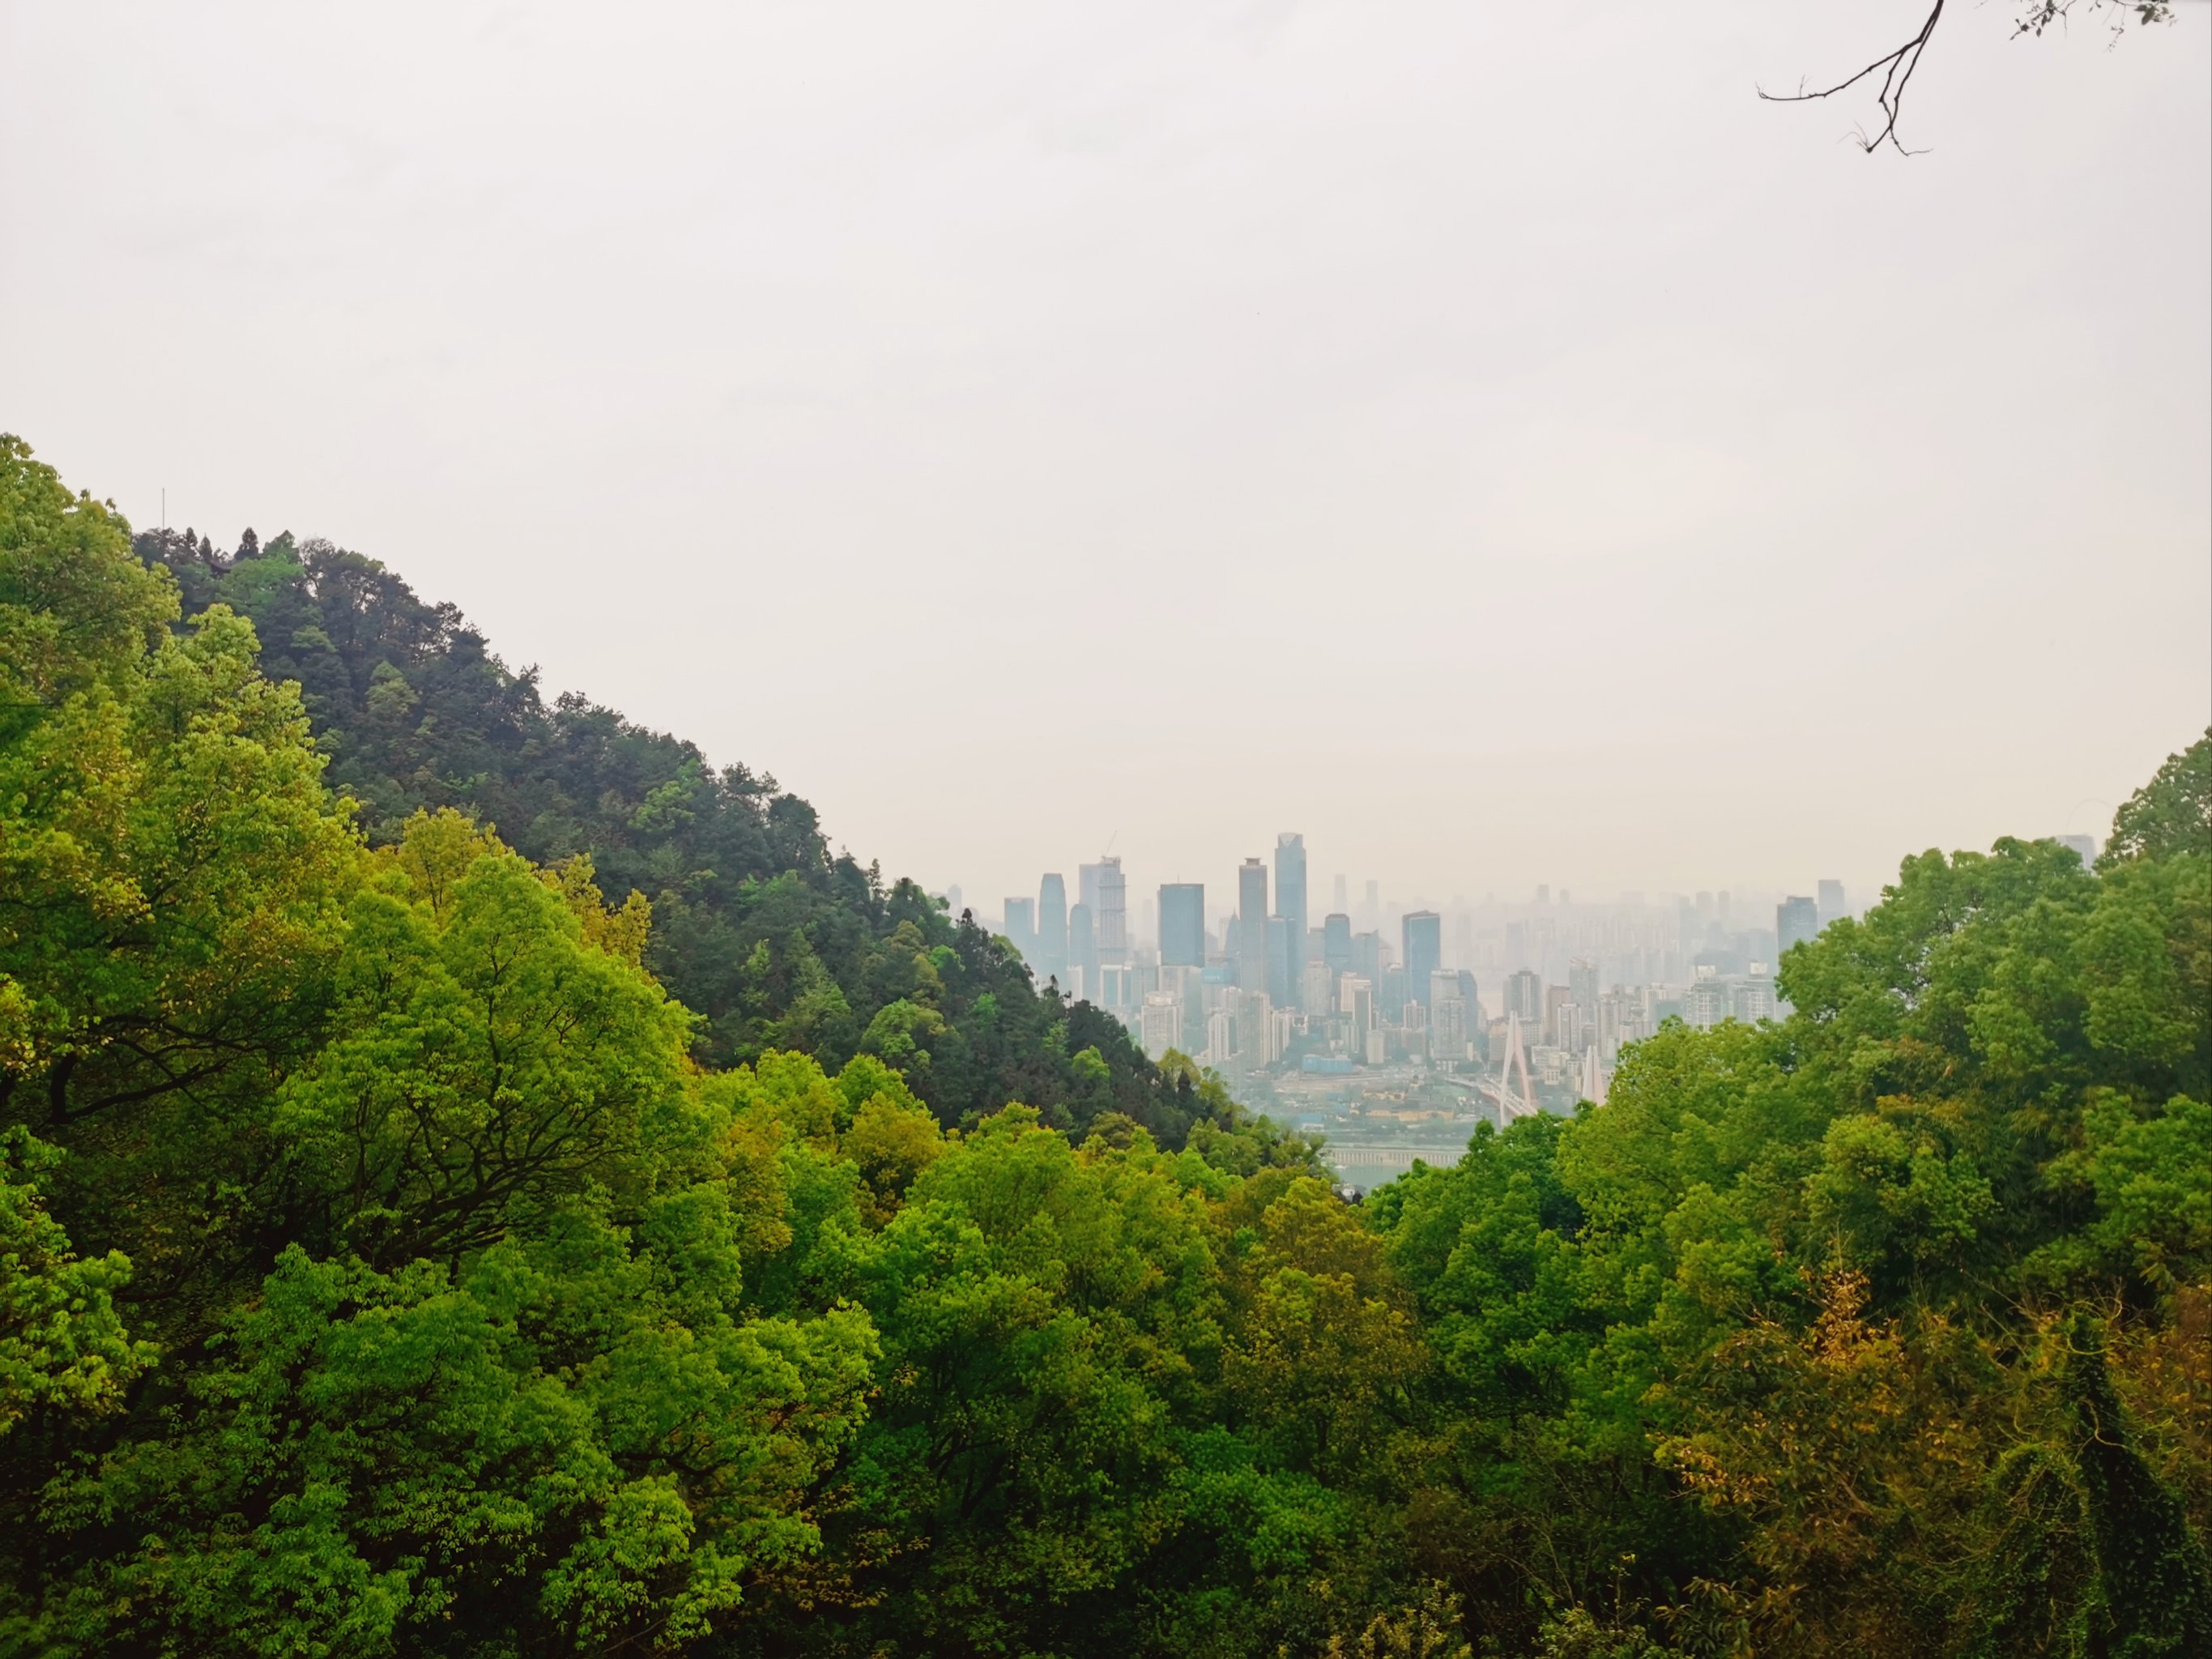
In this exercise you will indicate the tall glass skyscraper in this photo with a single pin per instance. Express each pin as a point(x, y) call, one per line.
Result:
point(1252, 926)
point(1052, 930)
point(1833, 904)
point(1796, 921)
point(1021, 925)
point(1113, 919)
point(1524, 995)
point(1081, 956)
point(1105, 891)
point(1291, 896)
point(1182, 924)
point(1422, 933)
point(1367, 957)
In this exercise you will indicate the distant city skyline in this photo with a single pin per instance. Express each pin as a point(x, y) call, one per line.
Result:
point(1221, 900)
point(1332, 873)
point(1545, 987)
point(1382, 903)
point(1188, 421)
point(1219, 905)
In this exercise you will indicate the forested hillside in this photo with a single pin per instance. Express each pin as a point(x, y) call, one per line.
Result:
point(755, 926)
point(392, 1261)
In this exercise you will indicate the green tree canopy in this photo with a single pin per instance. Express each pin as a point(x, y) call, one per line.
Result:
point(396, 1259)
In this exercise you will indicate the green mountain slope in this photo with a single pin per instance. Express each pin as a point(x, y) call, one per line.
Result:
point(756, 926)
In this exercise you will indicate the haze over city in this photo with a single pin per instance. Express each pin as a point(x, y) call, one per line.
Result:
point(1026, 429)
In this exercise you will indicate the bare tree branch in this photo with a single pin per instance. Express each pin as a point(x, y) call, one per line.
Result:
point(1896, 68)
point(1896, 71)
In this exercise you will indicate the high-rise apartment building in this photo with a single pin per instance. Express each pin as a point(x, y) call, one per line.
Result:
point(1751, 998)
point(1220, 1037)
point(1252, 925)
point(1705, 1001)
point(1188, 987)
point(1456, 985)
point(1571, 1026)
point(1254, 1016)
point(1318, 988)
point(1833, 903)
point(1582, 984)
point(1446, 1030)
point(1182, 924)
point(1052, 929)
point(1355, 997)
point(1524, 995)
point(1159, 1024)
point(1422, 932)
point(1624, 1016)
point(1555, 998)
point(1291, 894)
point(1796, 921)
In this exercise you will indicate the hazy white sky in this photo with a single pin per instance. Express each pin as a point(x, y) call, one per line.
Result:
point(1485, 438)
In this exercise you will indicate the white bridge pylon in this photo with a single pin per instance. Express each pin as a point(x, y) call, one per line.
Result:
point(1507, 1101)
point(1500, 1091)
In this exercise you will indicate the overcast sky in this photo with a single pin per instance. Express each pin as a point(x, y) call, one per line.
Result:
point(1485, 438)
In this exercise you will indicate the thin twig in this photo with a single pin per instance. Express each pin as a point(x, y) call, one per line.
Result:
point(1896, 70)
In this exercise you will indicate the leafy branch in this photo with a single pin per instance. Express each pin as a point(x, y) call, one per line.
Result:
point(1897, 67)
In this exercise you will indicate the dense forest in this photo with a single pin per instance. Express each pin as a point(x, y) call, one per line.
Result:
point(475, 1180)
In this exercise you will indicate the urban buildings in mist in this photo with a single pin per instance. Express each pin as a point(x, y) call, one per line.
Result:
point(1243, 977)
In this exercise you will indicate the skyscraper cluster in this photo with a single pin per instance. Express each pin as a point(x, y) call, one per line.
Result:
point(1261, 984)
